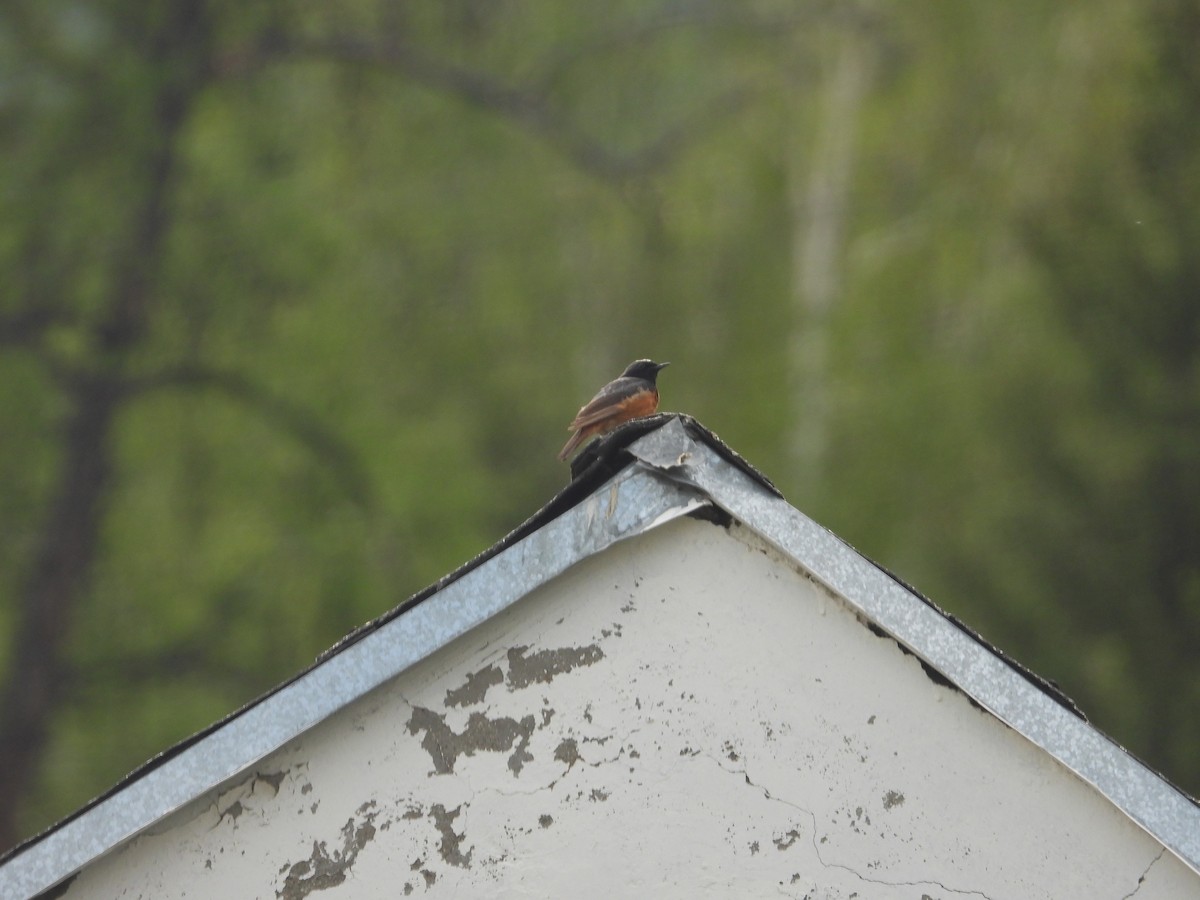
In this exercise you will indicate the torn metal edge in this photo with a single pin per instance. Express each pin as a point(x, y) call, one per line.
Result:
point(628, 504)
point(989, 678)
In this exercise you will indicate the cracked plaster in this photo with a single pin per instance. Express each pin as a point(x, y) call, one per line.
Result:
point(682, 715)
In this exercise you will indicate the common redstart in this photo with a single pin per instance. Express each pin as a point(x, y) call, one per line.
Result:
point(632, 395)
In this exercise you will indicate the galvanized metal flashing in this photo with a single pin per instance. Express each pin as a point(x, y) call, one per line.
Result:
point(627, 505)
point(1167, 814)
point(675, 470)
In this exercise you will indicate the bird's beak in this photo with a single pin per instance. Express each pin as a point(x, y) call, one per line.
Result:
point(662, 366)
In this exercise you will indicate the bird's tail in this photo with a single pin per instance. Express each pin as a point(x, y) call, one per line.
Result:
point(576, 439)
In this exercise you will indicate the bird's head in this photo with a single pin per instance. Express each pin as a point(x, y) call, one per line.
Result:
point(644, 368)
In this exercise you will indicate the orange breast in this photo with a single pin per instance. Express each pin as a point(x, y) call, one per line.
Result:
point(640, 404)
point(643, 403)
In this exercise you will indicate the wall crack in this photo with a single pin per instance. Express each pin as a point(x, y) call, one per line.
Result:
point(787, 840)
point(1142, 878)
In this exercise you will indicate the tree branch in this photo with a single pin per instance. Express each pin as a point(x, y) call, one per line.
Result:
point(528, 107)
point(708, 17)
point(301, 424)
point(525, 106)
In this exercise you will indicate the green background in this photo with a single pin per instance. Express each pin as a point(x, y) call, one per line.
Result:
point(298, 298)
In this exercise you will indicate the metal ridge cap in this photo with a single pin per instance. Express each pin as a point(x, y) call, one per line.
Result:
point(1168, 814)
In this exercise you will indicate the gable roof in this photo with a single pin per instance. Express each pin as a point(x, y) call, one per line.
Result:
point(649, 472)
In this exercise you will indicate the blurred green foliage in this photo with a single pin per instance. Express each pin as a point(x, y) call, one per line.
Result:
point(319, 285)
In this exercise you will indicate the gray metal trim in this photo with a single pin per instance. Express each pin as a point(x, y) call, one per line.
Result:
point(628, 504)
point(1168, 815)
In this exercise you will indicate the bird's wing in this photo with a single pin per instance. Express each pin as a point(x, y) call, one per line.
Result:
point(605, 402)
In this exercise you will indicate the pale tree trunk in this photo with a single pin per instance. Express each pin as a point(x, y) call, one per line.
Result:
point(819, 200)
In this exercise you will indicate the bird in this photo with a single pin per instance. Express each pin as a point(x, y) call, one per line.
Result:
point(631, 396)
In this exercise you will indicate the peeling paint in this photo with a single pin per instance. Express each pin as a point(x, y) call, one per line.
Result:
point(476, 687)
point(323, 870)
point(444, 746)
point(567, 752)
point(541, 667)
point(450, 848)
point(232, 811)
point(523, 670)
point(785, 842)
point(274, 779)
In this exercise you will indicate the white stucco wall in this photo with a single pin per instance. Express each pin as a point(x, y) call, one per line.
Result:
point(680, 716)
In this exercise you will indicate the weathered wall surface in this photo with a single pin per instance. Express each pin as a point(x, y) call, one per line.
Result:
point(681, 716)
